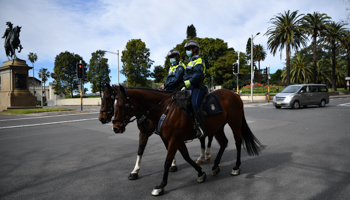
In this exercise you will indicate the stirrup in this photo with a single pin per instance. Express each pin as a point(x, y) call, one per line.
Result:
point(200, 133)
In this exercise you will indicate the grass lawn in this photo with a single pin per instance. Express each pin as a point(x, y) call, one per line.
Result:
point(35, 110)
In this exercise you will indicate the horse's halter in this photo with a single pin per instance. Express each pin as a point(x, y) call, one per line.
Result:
point(110, 111)
point(126, 120)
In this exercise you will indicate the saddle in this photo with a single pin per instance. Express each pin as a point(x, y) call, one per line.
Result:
point(210, 105)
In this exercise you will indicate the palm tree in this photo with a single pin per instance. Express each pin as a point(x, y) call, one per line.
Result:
point(286, 31)
point(315, 25)
point(301, 68)
point(346, 45)
point(324, 71)
point(259, 54)
point(334, 36)
point(46, 75)
point(32, 57)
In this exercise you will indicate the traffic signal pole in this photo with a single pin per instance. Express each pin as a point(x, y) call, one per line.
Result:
point(237, 75)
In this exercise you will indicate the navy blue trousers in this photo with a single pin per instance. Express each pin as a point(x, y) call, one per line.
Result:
point(197, 97)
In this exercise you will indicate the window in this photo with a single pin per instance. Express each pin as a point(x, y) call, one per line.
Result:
point(313, 89)
point(322, 89)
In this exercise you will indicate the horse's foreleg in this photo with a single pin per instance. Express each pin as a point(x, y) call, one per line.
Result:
point(173, 167)
point(221, 138)
point(172, 148)
point(184, 152)
point(143, 138)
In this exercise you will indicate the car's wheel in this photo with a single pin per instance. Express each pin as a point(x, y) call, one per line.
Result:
point(323, 103)
point(278, 107)
point(296, 105)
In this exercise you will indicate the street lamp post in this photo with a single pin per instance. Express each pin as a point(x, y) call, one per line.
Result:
point(118, 60)
point(252, 70)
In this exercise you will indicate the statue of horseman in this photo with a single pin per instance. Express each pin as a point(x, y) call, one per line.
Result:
point(12, 41)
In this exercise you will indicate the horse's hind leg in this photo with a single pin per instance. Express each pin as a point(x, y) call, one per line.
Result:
point(222, 140)
point(201, 157)
point(207, 151)
point(238, 138)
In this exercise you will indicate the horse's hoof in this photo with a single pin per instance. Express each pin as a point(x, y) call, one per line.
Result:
point(235, 172)
point(216, 171)
point(173, 168)
point(208, 159)
point(199, 162)
point(157, 191)
point(202, 178)
point(133, 176)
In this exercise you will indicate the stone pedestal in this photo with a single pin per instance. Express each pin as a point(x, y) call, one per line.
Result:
point(14, 91)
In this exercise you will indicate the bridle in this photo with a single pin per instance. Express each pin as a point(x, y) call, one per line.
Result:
point(139, 116)
point(110, 111)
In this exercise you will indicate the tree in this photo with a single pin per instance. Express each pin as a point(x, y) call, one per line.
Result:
point(301, 71)
point(334, 36)
point(276, 77)
point(98, 74)
point(136, 62)
point(286, 31)
point(65, 73)
point(32, 57)
point(45, 76)
point(249, 48)
point(259, 55)
point(191, 32)
point(346, 46)
point(315, 25)
point(158, 74)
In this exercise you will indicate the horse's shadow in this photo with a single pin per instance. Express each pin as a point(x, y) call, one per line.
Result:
point(250, 168)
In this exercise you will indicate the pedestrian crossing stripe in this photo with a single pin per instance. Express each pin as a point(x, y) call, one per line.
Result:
point(345, 104)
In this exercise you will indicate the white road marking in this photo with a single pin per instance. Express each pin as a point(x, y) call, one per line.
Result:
point(344, 104)
point(49, 123)
point(4, 120)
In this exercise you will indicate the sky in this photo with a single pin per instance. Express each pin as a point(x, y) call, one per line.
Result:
point(50, 27)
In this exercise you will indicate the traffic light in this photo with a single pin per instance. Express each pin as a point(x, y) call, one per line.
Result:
point(265, 71)
point(235, 68)
point(80, 70)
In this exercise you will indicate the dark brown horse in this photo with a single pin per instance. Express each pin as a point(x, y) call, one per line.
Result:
point(146, 129)
point(177, 127)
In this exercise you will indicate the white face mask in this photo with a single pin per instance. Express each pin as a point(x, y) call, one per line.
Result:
point(172, 60)
point(189, 53)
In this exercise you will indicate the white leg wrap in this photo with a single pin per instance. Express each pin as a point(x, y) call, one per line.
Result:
point(173, 163)
point(207, 153)
point(137, 165)
point(201, 155)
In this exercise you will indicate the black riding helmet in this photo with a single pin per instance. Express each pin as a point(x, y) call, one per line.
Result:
point(173, 52)
point(191, 43)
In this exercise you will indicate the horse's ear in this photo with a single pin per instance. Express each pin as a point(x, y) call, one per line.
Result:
point(108, 86)
point(122, 89)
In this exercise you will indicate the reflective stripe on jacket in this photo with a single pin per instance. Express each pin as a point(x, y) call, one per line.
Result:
point(175, 76)
point(195, 71)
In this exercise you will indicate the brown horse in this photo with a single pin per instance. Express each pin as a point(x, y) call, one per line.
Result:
point(146, 130)
point(177, 127)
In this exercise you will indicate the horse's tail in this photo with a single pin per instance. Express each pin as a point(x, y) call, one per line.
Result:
point(250, 142)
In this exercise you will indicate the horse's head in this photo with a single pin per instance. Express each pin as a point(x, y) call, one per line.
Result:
point(123, 111)
point(107, 99)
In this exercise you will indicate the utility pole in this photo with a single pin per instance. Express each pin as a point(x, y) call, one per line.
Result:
point(42, 87)
point(252, 70)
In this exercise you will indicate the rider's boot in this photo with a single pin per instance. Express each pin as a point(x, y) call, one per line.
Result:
point(201, 133)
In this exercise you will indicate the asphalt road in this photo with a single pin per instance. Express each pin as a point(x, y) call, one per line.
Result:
point(305, 156)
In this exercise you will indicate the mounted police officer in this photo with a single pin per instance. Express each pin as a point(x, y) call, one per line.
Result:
point(193, 80)
point(176, 71)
